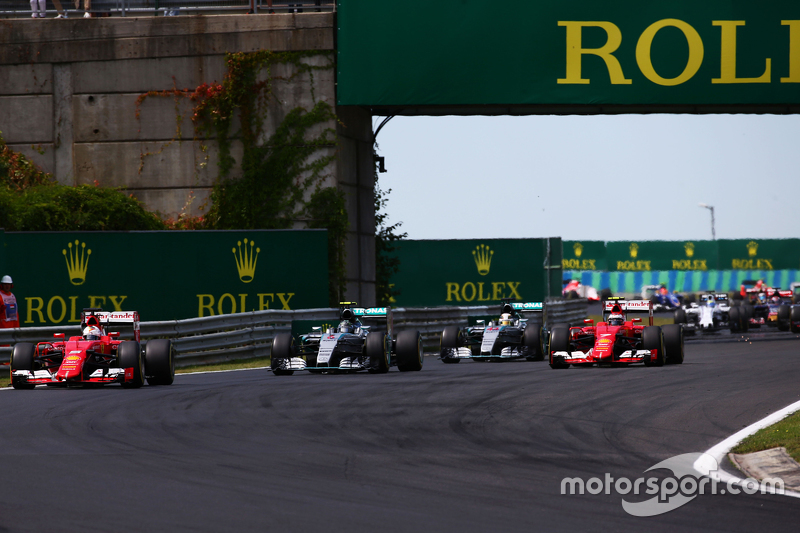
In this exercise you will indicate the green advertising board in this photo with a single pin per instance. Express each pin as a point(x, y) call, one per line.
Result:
point(476, 272)
point(584, 255)
point(759, 254)
point(662, 255)
point(165, 275)
point(725, 55)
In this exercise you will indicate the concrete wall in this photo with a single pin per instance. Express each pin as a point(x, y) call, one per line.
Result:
point(68, 100)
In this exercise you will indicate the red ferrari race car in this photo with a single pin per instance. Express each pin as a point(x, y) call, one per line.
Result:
point(617, 340)
point(95, 357)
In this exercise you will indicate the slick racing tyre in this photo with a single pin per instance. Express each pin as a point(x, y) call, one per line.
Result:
point(784, 317)
point(451, 340)
point(379, 356)
point(409, 351)
point(532, 342)
point(680, 316)
point(281, 354)
point(653, 339)
point(129, 355)
point(559, 342)
point(673, 343)
point(735, 319)
point(159, 362)
point(795, 320)
point(22, 359)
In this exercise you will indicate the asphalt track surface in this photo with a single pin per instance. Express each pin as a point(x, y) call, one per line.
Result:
point(467, 447)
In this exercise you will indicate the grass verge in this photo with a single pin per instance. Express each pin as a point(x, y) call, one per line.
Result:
point(228, 365)
point(785, 433)
point(5, 376)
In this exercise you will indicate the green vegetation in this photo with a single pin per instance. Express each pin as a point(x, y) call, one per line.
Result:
point(282, 177)
point(238, 364)
point(387, 264)
point(5, 376)
point(785, 433)
point(31, 201)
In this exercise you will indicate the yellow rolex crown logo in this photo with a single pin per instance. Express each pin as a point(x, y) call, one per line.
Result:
point(634, 249)
point(77, 262)
point(689, 247)
point(246, 261)
point(483, 258)
point(752, 248)
point(578, 247)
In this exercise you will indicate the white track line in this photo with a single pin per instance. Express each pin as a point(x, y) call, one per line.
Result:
point(720, 451)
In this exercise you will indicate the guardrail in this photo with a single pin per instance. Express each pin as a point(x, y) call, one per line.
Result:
point(248, 335)
point(140, 8)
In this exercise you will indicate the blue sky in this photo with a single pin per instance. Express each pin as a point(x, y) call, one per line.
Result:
point(626, 177)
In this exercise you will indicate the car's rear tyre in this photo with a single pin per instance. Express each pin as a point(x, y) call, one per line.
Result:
point(159, 362)
point(673, 343)
point(281, 353)
point(795, 320)
point(680, 316)
point(735, 319)
point(532, 342)
point(22, 359)
point(784, 317)
point(451, 340)
point(409, 351)
point(379, 356)
point(129, 355)
point(653, 339)
point(559, 342)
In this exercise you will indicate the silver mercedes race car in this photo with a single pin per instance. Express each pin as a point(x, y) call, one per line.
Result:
point(510, 337)
point(350, 347)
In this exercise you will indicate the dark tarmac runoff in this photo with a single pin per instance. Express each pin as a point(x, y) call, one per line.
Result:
point(467, 447)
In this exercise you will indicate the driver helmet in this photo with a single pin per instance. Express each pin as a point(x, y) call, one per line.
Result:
point(616, 320)
point(92, 333)
point(776, 299)
point(506, 320)
point(712, 302)
point(346, 327)
point(762, 298)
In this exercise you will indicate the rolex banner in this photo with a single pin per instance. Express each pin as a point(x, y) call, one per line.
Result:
point(647, 256)
point(165, 275)
point(477, 272)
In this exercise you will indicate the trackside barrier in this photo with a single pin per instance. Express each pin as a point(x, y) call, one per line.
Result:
point(248, 335)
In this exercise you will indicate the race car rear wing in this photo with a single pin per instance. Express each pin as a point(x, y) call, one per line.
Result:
point(528, 306)
point(110, 318)
point(373, 312)
point(642, 306)
point(628, 305)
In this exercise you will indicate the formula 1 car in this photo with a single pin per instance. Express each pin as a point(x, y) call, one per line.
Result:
point(661, 298)
point(512, 337)
point(351, 347)
point(94, 359)
point(771, 307)
point(616, 340)
point(574, 289)
point(712, 314)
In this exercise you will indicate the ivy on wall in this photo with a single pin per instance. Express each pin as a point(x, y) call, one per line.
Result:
point(281, 176)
